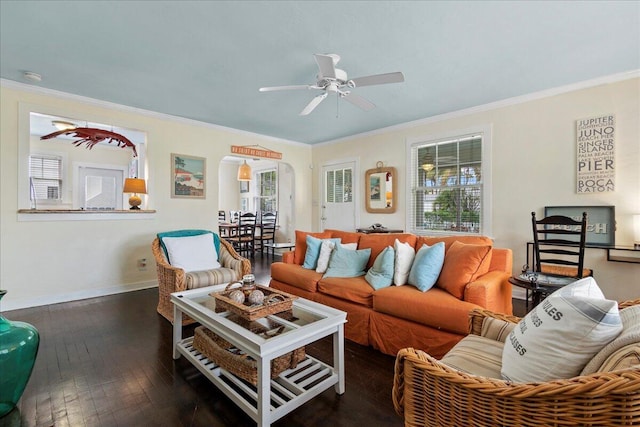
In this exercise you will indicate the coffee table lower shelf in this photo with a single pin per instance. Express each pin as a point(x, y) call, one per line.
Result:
point(289, 391)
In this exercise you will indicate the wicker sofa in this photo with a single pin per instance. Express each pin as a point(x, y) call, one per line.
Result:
point(427, 392)
point(396, 317)
point(172, 279)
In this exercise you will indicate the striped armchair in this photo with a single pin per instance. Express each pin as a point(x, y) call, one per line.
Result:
point(172, 279)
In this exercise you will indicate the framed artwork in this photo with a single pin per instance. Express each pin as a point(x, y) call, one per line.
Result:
point(601, 222)
point(189, 176)
point(244, 186)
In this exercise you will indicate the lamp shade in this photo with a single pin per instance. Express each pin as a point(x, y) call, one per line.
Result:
point(135, 185)
point(244, 172)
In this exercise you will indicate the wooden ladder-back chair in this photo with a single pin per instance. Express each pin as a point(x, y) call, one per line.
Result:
point(559, 244)
point(268, 221)
point(243, 241)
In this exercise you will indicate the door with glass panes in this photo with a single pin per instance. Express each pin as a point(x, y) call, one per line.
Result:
point(338, 206)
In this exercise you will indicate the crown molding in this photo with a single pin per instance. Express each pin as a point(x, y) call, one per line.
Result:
point(12, 84)
point(547, 93)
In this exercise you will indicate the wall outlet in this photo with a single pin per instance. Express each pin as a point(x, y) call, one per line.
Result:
point(142, 264)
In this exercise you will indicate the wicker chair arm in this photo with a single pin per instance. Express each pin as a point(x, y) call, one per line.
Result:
point(622, 382)
point(235, 262)
point(477, 316)
point(169, 277)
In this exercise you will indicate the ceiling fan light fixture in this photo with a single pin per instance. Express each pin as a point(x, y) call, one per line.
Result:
point(427, 167)
point(244, 172)
point(63, 125)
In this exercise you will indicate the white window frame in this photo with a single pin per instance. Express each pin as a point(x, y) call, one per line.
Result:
point(486, 204)
point(258, 196)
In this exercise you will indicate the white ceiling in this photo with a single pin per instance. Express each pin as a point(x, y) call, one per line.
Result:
point(205, 60)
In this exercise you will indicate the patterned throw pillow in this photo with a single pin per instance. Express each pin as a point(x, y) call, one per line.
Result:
point(561, 334)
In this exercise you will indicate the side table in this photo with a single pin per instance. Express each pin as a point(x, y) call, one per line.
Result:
point(274, 246)
point(539, 284)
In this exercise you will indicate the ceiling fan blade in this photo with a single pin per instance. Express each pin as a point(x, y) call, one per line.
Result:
point(313, 104)
point(359, 102)
point(326, 65)
point(274, 88)
point(378, 79)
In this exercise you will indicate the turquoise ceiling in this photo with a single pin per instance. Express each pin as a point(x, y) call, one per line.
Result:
point(205, 60)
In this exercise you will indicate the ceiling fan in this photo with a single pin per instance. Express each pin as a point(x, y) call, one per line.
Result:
point(334, 80)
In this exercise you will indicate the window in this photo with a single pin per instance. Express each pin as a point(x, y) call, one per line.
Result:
point(447, 185)
point(339, 186)
point(45, 176)
point(267, 185)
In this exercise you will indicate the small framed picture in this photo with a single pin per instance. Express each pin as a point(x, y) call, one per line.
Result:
point(189, 176)
point(244, 186)
point(601, 222)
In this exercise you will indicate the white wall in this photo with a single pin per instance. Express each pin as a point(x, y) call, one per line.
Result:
point(51, 261)
point(533, 165)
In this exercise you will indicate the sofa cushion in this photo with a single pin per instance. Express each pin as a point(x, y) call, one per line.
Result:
point(436, 308)
point(630, 336)
point(449, 240)
point(313, 252)
point(559, 336)
point(192, 253)
point(463, 263)
point(295, 275)
point(347, 262)
point(377, 242)
point(624, 358)
point(380, 275)
point(354, 289)
point(403, 261)
point(496, 329)
point(476, 355)
point(426, 266)
point(301, 244)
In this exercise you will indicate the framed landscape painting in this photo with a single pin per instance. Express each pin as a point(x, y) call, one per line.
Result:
point(189, 176)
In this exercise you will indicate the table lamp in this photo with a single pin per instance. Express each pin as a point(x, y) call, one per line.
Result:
point(135, 186)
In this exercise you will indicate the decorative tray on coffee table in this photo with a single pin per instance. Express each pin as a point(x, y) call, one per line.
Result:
point(275, 301)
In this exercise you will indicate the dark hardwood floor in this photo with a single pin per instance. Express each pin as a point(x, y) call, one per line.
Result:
point(107, 362)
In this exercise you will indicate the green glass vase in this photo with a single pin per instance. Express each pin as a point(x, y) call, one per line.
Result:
point(19, 343)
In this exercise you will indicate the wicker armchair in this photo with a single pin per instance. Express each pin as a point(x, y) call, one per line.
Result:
point(429, 393)
point(172, 279)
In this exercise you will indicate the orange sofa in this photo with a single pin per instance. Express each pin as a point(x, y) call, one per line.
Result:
point(396, 317)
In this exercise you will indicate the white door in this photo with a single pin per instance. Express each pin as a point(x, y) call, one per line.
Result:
point(100, 188)
point(338, 199)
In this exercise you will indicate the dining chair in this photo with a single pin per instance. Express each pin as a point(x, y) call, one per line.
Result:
point(243, 240)
point(268, 221)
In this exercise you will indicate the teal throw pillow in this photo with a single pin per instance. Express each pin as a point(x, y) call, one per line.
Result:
point(426, 266)
point(380, 275)
point(347, 262)
point(313, 251)
point(187, 233)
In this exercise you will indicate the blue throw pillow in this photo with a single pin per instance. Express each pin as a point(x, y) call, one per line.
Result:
point(426, 266)
point(347, 262)
point(380, 275)
point(313, 251)
point(188, 233)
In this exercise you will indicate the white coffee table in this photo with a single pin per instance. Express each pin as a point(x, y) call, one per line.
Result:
point(274, 246)
point(271, 399)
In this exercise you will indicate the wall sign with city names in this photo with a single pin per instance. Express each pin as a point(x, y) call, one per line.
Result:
point(595, 166)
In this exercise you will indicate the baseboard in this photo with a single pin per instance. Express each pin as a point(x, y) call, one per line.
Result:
point(18, 304)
